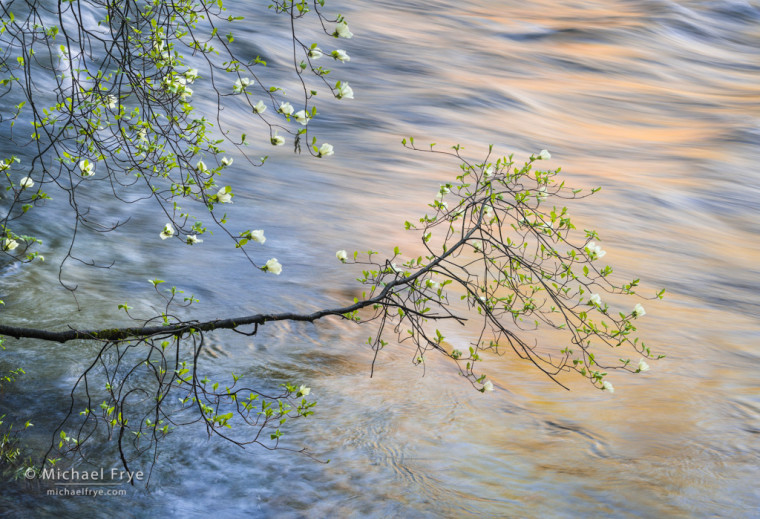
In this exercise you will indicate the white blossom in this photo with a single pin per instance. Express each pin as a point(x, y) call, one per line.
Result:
point(541, 194)
point(168, 231)
point(341, 31)
point(226, 162)
point(342, 255)
point(488, 386)
point(191, 75)
point(273, 266)
point(643, 366)
point(87, 168)
point(277, 140)
point(286, 108)
point(10, 244)
point(489, 171)
point(444, 190)
point(595, 299)
point(302, 117)
point(315, 53)
point(595, 251)
point(638, 310)
point(607, 386)
point(340, 55)
point(224, 195)
point(325, 150)
point(185, 93)
point(544, 155)
point(111, 101)
point(432, 284)
point(26, 182)
point(304, 391)
point(345, 91)
point(258, 235)
point(241, 84)
point(192, 239)
point(201, 167)
point(260, 107)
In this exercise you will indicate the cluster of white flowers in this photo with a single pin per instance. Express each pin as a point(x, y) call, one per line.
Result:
point(325, 150)
point(86, 168)
point(342, 255)
point(594, 250)
point(10, 244)
point(168, 231)
point(241, 84)
point(177, 84)
point(273, 266)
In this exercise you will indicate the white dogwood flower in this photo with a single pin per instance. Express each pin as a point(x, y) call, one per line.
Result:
point(168, 231)
point(260, 107)
point(345, 91)
point(638, 310)
point(302, 117)
point(341, 31)
point(26, 182)
point(286, 109)
point(607, 386)
point(340, 55)
point(192, 239)
point(594, 250)
point(643, 366)
point(258, 235)
point(595, 299)
point(273, 266)
point(325, 150)
point(544, 155)
point(241, 84)
point(87, 168)
point(224, 195)
point(342, 255)
point(10, 244)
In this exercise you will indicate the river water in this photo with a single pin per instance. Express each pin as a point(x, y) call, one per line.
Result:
point(656, 101)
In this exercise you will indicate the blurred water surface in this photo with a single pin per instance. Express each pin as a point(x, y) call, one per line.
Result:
point(656, 101)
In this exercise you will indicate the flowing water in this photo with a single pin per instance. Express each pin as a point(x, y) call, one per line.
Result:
point(656, 101)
